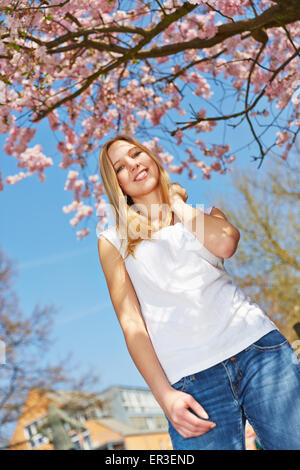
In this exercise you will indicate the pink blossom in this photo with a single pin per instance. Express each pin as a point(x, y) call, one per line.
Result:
point(82, 211)
point(178, 135)
point(139, 96)
point(282, 138)
point(175, 169)
point(200, 144)
point(82, 233)
point(156, 114)
point(220, 150)
point(100, 207)
point(216, 166)
point(34, 159)
point(53, 119)
point(230, 159)
point(14, 179)
point(94, 178)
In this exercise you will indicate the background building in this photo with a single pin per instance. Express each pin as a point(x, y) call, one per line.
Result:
point(118, 418)
point(129, 418)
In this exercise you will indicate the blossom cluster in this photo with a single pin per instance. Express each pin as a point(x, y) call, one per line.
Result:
point(68, 63)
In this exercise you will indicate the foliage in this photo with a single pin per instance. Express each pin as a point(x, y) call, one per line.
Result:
point(267, 262)
point(91, 68)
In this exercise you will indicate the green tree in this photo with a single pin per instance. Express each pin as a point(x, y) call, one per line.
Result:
point(266, 264)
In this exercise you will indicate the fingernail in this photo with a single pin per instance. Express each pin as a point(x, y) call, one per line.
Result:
point(213, 425)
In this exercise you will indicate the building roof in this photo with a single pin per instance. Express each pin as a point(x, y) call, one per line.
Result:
point(64, 396)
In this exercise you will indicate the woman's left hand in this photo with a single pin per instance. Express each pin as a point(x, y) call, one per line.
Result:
point(176, 191)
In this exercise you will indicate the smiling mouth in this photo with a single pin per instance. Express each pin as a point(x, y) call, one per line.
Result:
point(142, 175)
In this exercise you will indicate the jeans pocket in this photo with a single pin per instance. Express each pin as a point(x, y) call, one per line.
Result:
point(182, 383)
point(271, 341)
point(179, 385)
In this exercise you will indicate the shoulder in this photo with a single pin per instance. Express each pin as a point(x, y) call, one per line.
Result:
point(110, 238)
point(111, 228)
point(110, 234)
point(110, 257)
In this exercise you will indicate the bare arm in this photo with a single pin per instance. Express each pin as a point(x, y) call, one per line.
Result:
point(175, 404)
point(213, 230)
point(127, 309)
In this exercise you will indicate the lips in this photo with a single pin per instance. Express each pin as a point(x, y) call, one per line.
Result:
point(144, 169)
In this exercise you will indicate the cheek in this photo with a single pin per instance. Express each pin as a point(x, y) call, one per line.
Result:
point(122, 177)
point(152, 166)
point(155, 171)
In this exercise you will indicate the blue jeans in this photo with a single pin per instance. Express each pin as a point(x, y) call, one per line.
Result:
point(260, 384)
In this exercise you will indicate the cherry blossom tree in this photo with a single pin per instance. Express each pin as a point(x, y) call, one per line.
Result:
point(92, 69)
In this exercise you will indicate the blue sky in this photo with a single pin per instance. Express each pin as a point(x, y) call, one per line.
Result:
point(55, 268)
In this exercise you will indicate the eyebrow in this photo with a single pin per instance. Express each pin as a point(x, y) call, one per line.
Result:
point(133, 148)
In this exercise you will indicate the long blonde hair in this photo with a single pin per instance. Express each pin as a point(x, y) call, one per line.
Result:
point(125, 215)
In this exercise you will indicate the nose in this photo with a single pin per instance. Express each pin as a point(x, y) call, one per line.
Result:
point(133, 165)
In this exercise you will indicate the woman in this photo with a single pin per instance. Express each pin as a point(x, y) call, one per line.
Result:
point(211, 357)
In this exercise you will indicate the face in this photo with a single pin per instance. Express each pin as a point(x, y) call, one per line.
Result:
point(128, 161)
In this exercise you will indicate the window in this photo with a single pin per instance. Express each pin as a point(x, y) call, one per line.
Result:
point(86, 440)
point(76, 441)
point(80, 441)
point(138, 422)
point(161, 422)
point(35, 439)
point(150, 423)
point(138, 401)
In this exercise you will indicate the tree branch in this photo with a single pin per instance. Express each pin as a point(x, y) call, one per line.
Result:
point(166, 21)
point(240, 113)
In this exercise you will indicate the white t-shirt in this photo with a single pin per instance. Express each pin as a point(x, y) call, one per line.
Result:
point(195, 315)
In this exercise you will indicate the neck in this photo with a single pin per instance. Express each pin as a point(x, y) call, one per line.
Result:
point(150, 205)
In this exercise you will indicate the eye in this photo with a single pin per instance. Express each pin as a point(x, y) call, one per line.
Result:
point(134, 155)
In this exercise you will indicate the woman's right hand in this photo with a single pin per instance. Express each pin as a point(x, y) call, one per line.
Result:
point(177, 192)
point(176, 406)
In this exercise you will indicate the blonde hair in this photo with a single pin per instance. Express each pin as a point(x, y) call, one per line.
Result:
point(125, 215)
